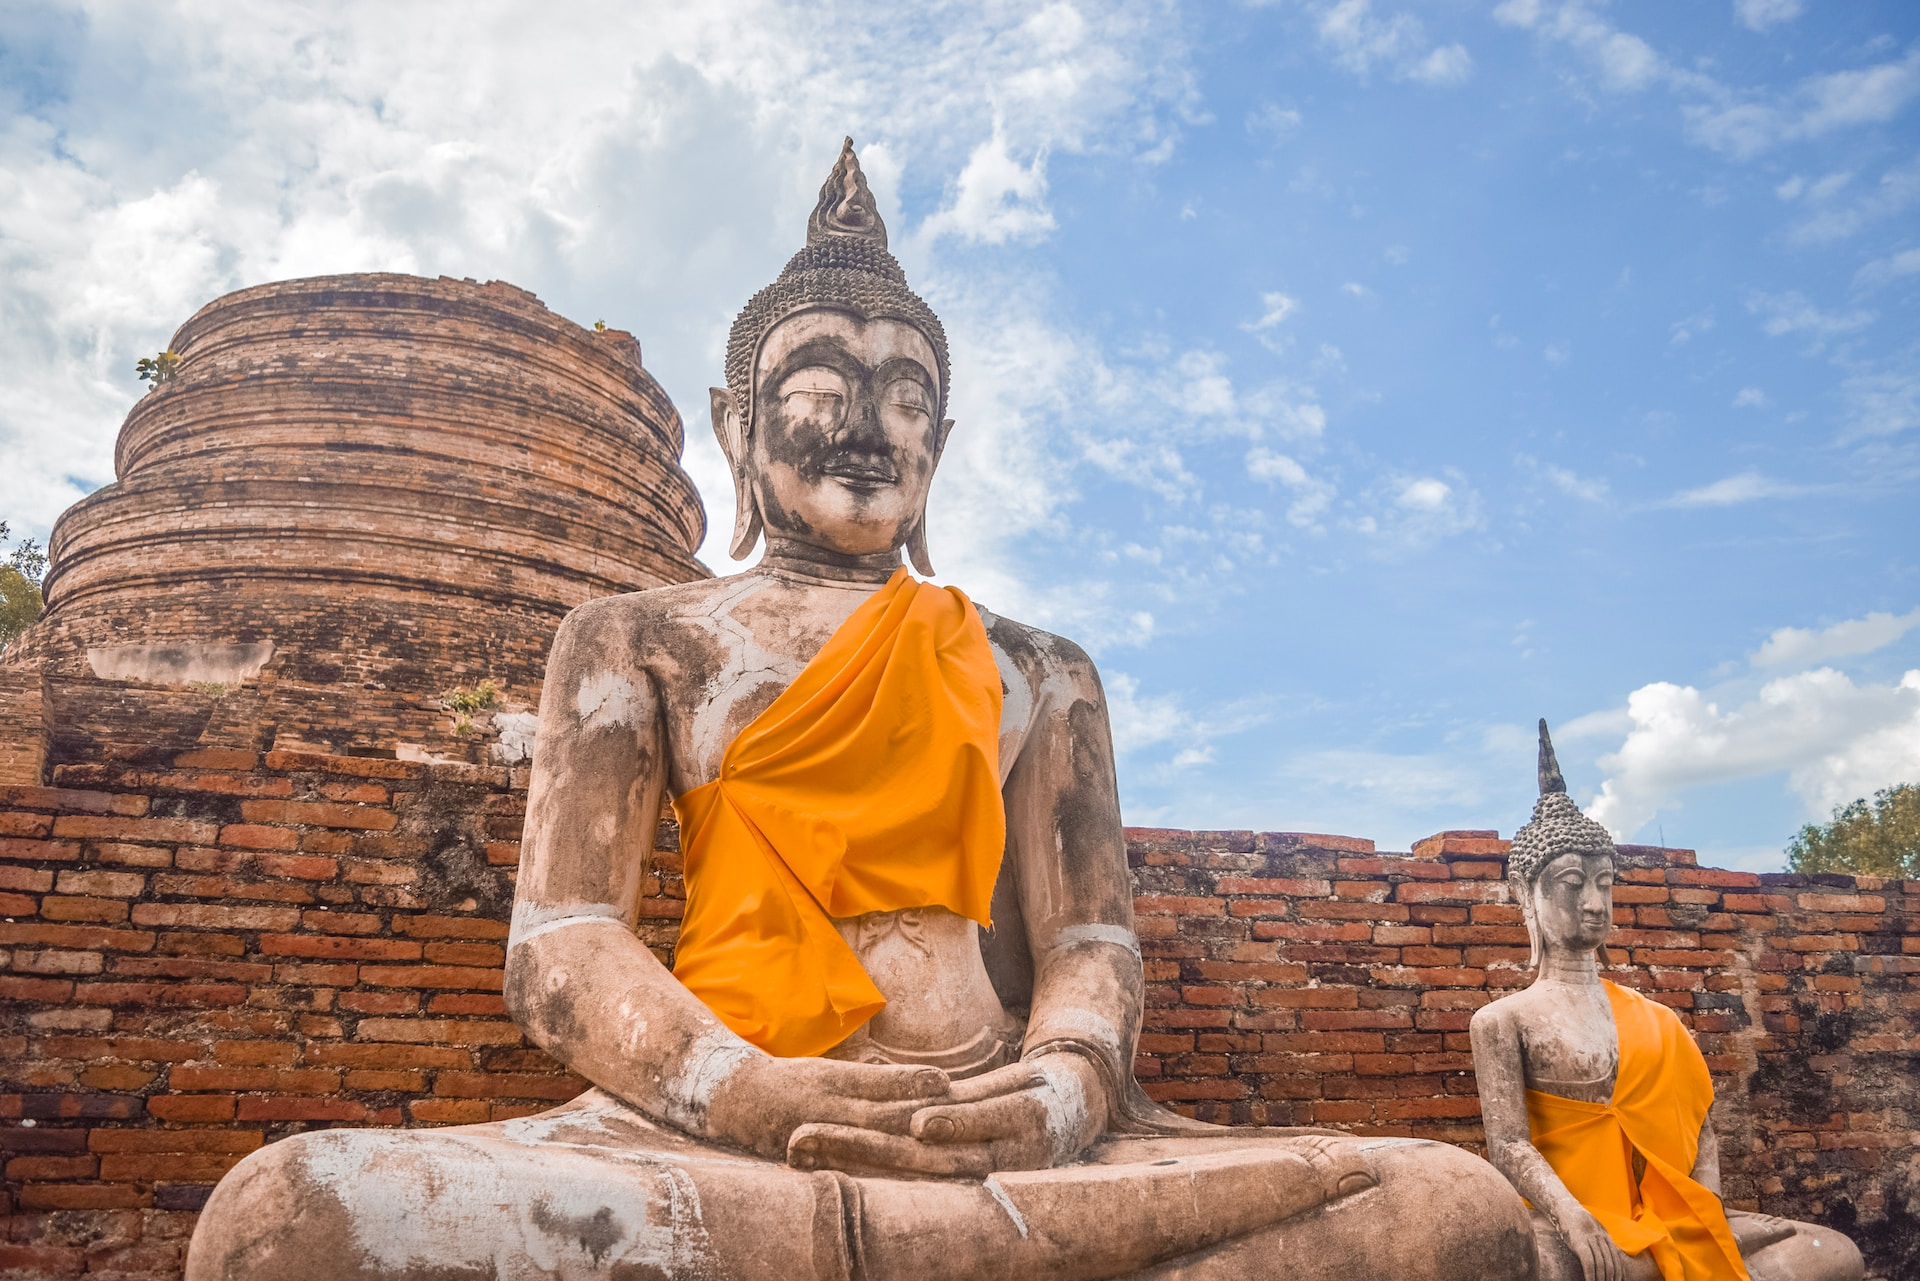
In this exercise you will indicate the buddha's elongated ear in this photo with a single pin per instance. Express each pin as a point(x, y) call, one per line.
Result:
point(730, 429)
point(1525, 889)
point(917, 536)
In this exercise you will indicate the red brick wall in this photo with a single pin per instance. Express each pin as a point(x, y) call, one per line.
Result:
point(204, 953)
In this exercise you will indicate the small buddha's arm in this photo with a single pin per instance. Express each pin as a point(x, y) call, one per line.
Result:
point(582, 985)
point(1500, 1075)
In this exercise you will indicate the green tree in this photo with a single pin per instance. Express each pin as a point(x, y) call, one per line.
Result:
point(20, 600)
point(1877, 839)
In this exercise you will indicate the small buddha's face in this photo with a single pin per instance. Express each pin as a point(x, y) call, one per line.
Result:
point(1573, 901)
point(845, 430)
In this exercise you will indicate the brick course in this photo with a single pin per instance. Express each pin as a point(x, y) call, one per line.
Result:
point(211, 952)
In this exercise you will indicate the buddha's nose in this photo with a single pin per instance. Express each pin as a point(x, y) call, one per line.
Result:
point(861, 430)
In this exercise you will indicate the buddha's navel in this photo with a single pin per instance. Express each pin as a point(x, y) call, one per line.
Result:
point(941, 1007)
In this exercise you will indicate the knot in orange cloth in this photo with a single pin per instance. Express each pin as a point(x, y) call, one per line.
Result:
point(872, 784)
point(1661, 1094)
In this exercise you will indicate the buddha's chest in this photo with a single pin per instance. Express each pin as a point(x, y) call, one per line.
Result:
point(1570, 1048)
point(718, 669)
point(722, 667)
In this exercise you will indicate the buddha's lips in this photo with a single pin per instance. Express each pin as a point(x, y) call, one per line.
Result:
point(861, 471)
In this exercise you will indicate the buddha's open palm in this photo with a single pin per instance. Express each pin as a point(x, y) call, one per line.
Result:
point(1029, 1116)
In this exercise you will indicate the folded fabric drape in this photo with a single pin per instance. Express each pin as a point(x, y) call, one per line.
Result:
point(1660, 1099)
point(871, 784)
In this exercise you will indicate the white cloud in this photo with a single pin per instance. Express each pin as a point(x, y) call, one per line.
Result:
point(1896, 191)
point(1758, 15)
point(1425, 495)
point(1763, 14)
point(1884, 271)
point(1312, 496)
point(1792, 313)
point(1362, 41)
point(1736, 122)
point(1881, 404)
point(1743, 125)
point(1833, 739)
point(1274, 121)
point(1142, 720)
point(1746, 487)
point(1685, 331)
point(1801, 647)
point(996, 198)
point(1277, 307)
point(1592, 489)
point(1410, 513)
point(1625, 61)
point(1447, 65)
point(1750, 398)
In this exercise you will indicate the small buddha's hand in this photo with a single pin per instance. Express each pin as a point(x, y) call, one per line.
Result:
point(1028, 1116)
point(766, 1099)
point(1600, 1259)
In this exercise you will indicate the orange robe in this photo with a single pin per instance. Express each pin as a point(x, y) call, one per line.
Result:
point(1660, 1099)
point(872, 784)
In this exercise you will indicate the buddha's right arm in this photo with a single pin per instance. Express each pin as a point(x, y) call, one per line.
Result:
point(578, 981)
point(1500, 1076)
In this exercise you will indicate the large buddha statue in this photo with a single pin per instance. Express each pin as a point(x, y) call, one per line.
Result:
point(1598, 1105)
point(898, 1038)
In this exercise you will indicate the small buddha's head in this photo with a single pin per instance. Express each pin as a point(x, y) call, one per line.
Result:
point(834, 412)
point(1562, 868)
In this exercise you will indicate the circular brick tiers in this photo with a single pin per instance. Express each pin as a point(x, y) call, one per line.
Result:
point(403, 484)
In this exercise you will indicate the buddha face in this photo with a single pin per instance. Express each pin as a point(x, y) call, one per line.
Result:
point(844, 434)
point(1573, 901)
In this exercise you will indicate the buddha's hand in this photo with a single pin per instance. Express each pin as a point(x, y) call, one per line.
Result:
point(762, 1102)
point(1029, 1116)
point(1600, 1259)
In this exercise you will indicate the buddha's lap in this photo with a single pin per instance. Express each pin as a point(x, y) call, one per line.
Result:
point(1812, 1253)
point(595, 1188)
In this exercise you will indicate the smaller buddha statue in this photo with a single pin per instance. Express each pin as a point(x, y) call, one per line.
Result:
point(1598, 1104)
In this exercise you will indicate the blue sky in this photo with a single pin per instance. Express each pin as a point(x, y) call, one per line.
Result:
point(1359, 381)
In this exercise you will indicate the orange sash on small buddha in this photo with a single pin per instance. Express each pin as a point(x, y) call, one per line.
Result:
point(871, 784)
point(1660, 1099)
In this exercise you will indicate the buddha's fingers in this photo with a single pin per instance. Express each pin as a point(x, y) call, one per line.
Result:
point(1011, 1079)
point(1008, 1116)
point(856, 1151)
point(883, 1082)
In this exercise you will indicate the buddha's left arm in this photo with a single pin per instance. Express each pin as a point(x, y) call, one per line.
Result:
point(1070, 865)
point(1706, 1165)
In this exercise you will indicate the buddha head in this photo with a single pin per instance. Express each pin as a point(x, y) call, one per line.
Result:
point(1562, 868)
point(834, 412)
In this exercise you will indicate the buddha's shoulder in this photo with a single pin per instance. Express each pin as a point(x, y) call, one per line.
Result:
point(1032, 649)
point(674, 604)
point(1509, 1013)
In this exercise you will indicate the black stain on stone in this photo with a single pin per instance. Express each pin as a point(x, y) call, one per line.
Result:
point(1831, 1032)
point(457, 877)
point(597, 1233)
point(454, 873)
point(1891, 1243)
point(1806, 1093)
